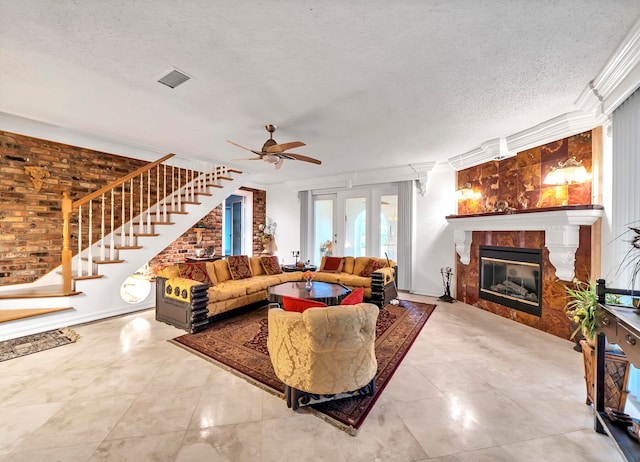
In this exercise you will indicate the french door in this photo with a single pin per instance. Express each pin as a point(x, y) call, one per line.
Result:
point(344, 223)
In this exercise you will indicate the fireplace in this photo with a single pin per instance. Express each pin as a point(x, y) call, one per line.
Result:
point(512, 277)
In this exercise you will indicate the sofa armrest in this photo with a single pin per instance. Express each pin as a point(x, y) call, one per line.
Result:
point(383, 286)
point(182, 303)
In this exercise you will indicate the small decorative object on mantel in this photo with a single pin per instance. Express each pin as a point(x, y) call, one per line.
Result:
point(446, 282)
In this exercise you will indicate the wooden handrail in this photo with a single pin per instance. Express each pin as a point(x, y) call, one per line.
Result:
point(117, 183)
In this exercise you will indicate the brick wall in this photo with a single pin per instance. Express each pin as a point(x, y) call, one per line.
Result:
point(31, 222)
point(212, 233)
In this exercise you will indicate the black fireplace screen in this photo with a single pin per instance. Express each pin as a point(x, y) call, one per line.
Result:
point(512, 277)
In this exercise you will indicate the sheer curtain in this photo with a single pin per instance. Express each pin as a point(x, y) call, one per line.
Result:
point(405, 225)
point(625, 194)
point(306, 234)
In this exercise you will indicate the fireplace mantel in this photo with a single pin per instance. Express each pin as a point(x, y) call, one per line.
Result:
point(561, 226)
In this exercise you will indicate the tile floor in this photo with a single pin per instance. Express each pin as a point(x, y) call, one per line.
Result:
point(474, 387)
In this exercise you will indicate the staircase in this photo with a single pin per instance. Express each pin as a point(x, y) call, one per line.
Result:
point(115, 232)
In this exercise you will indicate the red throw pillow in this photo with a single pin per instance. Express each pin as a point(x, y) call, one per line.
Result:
point(271, 265)
point(354, 297)
point(332, 265)
point(372, 266)
point(299, 304)
point(239, 267)
point(195, 272)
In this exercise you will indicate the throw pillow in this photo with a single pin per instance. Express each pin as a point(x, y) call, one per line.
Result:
point(195, 272)
point(354, 297)
point(372, 266)
point(239, 267)
point(271, 265)
point(299, 304)
point(332, 265)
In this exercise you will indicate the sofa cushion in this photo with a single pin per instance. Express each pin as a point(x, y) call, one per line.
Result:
point(299, 304)
point(227, 290)
point(359, 265)
point(222, 270)
point(353, 281)
point(331, 264)
point(348, 265)
point(371, 266)
point(195, 272)
point(211, 271)
point(354, 297)
point(256, 266)
point(168, 271)
point(271, 265)
point(239, 267)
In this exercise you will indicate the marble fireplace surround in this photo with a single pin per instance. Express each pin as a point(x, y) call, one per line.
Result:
point(561, 226)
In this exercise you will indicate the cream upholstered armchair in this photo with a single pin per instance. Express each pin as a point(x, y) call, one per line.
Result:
point(324, 351)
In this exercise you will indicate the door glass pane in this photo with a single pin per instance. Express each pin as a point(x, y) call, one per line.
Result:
point(355, 243)
point(236, 228)
point(323, 232)
point(389, 226)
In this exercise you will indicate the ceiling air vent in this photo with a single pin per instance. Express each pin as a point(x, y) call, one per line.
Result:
point(174, 78)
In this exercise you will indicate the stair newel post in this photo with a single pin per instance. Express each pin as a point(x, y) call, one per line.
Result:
point(102, 248)
point(90, 239)
point(164, 193)
point(131, 212)
point(123, 230)
point(149, 201)
point(66, 242)
point(158, 218)
point(112, 244)
point(80, 262)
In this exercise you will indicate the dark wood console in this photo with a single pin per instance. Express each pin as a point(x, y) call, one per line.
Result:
point(619, 325)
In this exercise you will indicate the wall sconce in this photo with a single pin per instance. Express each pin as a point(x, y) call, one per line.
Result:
point(466, 192)
point(567, 172)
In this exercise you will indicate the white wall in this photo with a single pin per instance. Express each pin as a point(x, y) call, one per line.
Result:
point(283, 207)
point(433, 246)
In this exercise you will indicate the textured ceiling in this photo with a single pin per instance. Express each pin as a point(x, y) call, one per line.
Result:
point(366, 84)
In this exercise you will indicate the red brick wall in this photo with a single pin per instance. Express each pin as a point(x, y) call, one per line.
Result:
point(212, 234)
point(30, 221)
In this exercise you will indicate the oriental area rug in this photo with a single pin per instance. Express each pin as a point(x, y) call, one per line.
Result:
point(239, 344)
point(23, 346)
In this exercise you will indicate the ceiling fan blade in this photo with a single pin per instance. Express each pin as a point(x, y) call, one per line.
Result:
point(248, 158)
point(290, 155)
point(278, 164)
point(257, 153)
point(278, 148)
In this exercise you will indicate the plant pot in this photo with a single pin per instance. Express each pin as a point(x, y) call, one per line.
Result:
point(590, 340)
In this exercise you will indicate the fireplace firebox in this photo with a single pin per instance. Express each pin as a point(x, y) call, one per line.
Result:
point(512, 277)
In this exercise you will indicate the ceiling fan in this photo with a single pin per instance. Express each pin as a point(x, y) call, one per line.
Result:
point(274, 153)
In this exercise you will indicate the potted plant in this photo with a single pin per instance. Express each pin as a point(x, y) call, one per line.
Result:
point(581, 308)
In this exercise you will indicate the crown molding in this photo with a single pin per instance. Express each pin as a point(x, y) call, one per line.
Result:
point(615, 82)
point(419, 171)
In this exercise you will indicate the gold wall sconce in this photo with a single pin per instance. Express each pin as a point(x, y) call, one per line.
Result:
point(466, 192)
point(567, 172)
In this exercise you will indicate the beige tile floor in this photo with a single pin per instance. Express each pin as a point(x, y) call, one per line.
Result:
point(474, 387)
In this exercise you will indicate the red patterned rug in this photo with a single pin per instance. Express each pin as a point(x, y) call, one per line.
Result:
point(240, 345)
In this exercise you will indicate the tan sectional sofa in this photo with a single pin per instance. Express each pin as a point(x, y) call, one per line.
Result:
point(181, 301)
